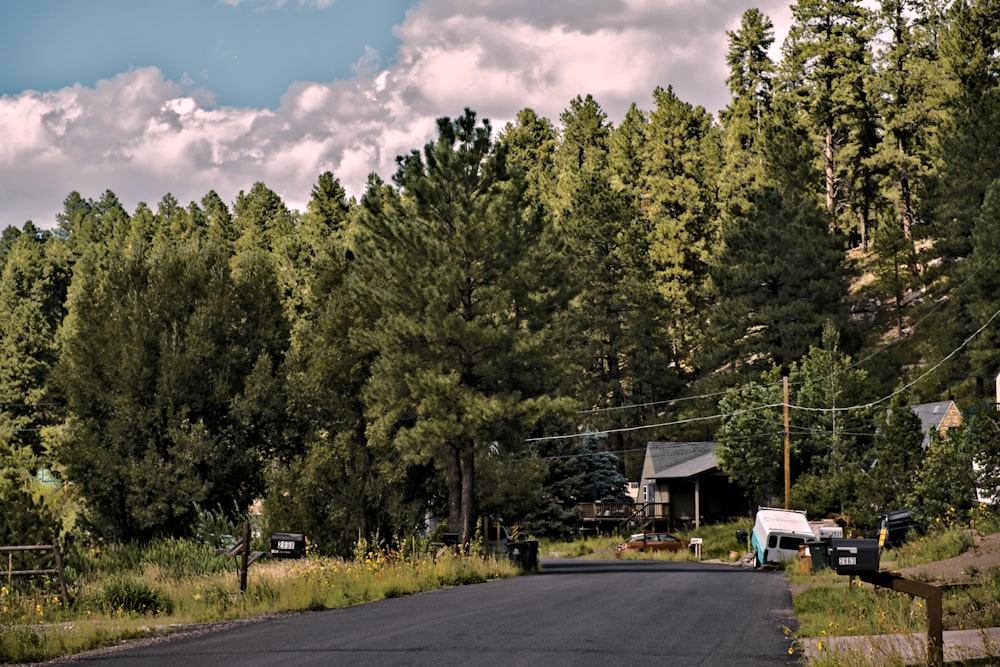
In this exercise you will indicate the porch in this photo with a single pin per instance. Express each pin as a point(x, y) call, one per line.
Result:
point(605, 517)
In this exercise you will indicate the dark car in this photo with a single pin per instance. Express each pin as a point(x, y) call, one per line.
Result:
point(654, 542)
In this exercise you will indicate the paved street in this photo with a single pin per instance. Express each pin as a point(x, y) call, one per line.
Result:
point(574, 612)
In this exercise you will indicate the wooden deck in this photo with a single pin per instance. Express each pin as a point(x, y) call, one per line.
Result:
point(617, 517)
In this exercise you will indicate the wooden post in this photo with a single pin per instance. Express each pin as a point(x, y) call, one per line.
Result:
point(245, 557)
point(697, 508)
point(59, 568)
point(929, 592)
point(788, 449)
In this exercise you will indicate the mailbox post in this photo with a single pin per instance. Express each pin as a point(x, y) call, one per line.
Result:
point(857, 557)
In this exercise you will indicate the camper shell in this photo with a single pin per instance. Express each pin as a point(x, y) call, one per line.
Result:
point(777, 535)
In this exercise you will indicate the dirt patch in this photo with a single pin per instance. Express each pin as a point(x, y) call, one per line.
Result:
point(983, 556)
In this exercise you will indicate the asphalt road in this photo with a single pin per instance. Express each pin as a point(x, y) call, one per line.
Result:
point(574, 612)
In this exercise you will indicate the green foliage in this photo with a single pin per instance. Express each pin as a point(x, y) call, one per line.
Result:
point(946, 481)
point(127, 595)
point(462, 324)
point(750, 440)
point(943, 541)
point(172, 559)
point(834, 609)
point(169, 368)
point(367, 364)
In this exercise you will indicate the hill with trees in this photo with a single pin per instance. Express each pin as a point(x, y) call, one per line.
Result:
point(444, 344)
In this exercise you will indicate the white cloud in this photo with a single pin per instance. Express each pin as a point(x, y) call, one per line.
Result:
point(142, 136)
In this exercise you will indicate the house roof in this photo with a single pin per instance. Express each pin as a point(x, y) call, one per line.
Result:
point(672, 460)
point(931, 416)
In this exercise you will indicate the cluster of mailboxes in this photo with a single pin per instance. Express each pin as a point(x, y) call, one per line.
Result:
point(850, 556)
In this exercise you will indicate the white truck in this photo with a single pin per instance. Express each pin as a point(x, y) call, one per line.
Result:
point(777, 535)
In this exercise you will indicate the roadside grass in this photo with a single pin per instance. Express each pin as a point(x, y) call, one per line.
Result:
point(826, 605)
point(131, 592)
point(603, 545)
point(718, 542)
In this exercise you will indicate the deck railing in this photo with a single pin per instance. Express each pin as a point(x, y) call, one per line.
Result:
point(609, 511)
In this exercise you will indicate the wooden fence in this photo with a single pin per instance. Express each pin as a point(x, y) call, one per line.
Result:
point(58, 570)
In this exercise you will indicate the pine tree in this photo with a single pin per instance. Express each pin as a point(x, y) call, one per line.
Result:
point(750, 75)
point(968, 145)
point(679, 194)
point(827, 61)
point(463, 351)
point(907, 75)
point(982, 273)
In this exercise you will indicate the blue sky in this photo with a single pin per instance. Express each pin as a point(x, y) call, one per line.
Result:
point(147, 98)
point(247, 54)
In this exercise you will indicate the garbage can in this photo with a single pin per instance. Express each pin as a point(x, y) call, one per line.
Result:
point(524, 554)
point(741, 536)
point(805, 558)
point(820, 552)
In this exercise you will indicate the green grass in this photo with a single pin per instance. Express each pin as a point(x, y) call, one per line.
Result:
point(718, 542)
point(602, 545)
point(936, 546)
point(826, 605)
point(133, 592)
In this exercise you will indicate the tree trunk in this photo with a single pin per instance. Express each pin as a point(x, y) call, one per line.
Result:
point(468, 475)
point(828, 160)
point(454, 489)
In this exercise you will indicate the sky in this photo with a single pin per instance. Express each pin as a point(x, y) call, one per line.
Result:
point(146, 98)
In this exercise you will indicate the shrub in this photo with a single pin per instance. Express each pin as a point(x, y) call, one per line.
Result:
point(126, 595)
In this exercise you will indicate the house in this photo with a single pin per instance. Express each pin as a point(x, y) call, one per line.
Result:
point(685, 478)
point(939, 417)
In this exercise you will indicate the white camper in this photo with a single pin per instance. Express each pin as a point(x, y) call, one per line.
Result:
point(777, 535)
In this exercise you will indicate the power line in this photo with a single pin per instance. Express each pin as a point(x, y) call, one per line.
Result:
point(865, 406)
point(646, 426)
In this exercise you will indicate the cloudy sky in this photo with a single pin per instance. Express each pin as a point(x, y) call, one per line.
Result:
point(187, 96)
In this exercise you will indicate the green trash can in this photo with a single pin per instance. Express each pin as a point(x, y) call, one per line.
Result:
point(819, 551)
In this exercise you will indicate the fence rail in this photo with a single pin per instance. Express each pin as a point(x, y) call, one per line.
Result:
point(57, 570)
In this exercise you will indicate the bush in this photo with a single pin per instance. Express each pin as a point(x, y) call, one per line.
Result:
point(127, 595)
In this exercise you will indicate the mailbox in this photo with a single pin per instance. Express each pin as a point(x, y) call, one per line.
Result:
point(849, 556)
point(288, 545)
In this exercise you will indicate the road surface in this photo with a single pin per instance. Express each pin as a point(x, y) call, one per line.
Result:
point(573, 612)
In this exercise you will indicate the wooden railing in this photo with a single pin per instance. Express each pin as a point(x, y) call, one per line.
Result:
point(57, 570)
point(625, 512)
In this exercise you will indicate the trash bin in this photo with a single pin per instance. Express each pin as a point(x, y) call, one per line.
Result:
point(524, 554)
point(820, 552)
point(742, 536)
point(805, 558)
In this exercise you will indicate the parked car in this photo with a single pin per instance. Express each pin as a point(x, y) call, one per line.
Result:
point(653, 542)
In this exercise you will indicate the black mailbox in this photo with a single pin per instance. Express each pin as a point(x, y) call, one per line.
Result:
point(288, 545)
point(848, 556)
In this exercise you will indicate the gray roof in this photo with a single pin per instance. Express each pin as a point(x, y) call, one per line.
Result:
point(931, 415)
point(672, 460)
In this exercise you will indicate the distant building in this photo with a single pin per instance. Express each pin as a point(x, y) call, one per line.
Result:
point(939, 417)
point(685, 478)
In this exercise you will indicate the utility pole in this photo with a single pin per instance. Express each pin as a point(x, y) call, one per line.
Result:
point(788, 449)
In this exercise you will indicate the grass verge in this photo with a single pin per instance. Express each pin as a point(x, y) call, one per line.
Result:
point(161, 588)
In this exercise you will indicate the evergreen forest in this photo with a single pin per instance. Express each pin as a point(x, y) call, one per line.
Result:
point(502, 327)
